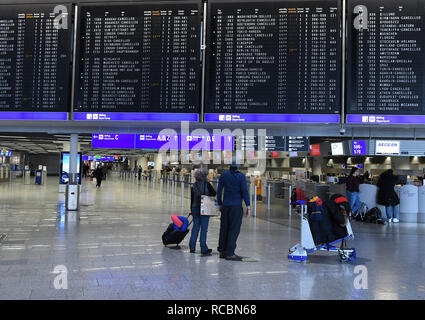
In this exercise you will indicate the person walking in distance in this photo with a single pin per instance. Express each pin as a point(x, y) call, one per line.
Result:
point(98, 174)
point(233, 183)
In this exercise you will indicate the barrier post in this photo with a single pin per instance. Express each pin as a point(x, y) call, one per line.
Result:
point(182, 187)
point(268, 196)
point(289, 199)
point(255, 201)
point(251, 187)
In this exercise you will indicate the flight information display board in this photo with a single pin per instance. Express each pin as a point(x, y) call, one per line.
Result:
point(272, 143)
point(386, 61)
point(35, 57)
point(273, 61)
point(139, 62)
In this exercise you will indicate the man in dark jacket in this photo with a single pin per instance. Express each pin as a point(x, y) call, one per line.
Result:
point(235, 190)
point(98, 174)
point(387, 195)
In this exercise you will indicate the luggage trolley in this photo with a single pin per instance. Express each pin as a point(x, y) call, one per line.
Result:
point(300, 251)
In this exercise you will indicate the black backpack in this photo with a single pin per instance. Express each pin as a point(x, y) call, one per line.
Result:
point(374, 215)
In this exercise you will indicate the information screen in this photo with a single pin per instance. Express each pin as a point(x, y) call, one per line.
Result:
point(64, 176)
point(272, 143)
point(139, 58)
point(268, 58)
point(386, 61)
point(35, 46)
point(337, 149)
point(359, 148)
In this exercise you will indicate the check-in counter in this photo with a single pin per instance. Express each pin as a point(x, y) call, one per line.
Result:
point(313, 189)
point(335, 188)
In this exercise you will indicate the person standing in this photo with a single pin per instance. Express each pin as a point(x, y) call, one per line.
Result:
point(387, 195)
point(233, 182)
point(352, 188)
point(200, 187)
point(98, 174)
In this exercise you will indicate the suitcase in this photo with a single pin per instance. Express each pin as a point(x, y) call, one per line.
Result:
point(173, 236)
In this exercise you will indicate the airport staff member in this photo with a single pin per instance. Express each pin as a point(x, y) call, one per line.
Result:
point(234, 184)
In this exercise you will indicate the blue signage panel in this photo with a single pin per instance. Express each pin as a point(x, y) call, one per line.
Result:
point(273, 118)
point(151, 117)
point(6, 115)
point(359, 148)
point(113, 141)
point(185, 142)
point(385, 119)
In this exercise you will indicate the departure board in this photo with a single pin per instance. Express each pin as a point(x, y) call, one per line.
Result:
point(138, 58)
point(386, 61)
point(35, 60)
point(273, 57)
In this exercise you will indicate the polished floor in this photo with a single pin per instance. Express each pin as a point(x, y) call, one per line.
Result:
point(112, 249)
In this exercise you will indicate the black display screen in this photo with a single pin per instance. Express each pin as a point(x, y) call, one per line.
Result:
point(277, 57)
point(35, 57)
point(142, 57)
point(386, 57)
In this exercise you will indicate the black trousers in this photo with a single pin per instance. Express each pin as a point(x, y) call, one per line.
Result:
point(98, 182)
point(230, 227)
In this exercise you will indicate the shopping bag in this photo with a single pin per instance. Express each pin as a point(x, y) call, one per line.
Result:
point(209, 206)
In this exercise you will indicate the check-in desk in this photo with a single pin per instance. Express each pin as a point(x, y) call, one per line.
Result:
point(313, 189)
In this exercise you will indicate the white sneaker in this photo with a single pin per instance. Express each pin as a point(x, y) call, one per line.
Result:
point(396, 220)
point(390, 220)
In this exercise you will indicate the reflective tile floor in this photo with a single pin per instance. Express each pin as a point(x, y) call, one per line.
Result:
point(112, 249)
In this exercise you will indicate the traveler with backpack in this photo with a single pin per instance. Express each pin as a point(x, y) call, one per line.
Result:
point(200, 222)
point(387, 195)
point(352, 186)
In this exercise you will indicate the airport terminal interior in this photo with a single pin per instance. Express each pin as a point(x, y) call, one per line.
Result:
point(112, 113)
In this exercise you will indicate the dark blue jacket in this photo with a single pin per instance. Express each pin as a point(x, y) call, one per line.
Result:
point(234, 184)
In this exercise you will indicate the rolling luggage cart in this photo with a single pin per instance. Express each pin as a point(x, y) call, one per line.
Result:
point(300, 251)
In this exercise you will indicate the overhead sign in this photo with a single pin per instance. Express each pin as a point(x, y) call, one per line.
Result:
point(358, 148)
point(315, 150)
point(185, 142)
point(297, 144)
point(337, 149)
point(272, 143)
point(387, 147)
point(113, 141)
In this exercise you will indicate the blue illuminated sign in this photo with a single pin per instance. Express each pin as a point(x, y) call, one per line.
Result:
point(359, 148)
point(127, 116)
point(114, 141)
point(273, 118)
